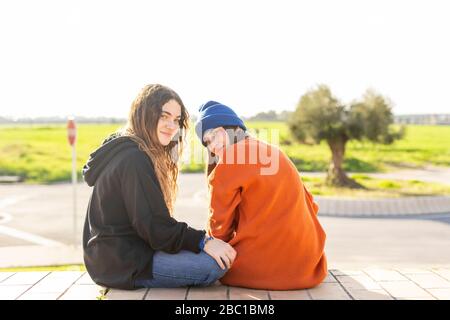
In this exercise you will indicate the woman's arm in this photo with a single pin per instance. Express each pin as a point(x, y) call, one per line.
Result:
point(148, 212)
point(225, 196)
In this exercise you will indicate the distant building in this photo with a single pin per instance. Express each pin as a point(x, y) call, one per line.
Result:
point(430, 119)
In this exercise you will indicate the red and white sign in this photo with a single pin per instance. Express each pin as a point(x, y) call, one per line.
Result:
point(71, 132)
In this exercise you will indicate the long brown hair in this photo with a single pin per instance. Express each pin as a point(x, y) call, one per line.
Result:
point(141, 127)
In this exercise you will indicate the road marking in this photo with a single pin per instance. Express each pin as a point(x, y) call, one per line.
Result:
point(5, 217)
point(29, 237)
point(12, 200)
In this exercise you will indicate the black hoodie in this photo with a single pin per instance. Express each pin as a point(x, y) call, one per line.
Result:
point(127, 218)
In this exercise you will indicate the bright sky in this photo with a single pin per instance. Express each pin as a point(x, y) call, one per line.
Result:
point(91, 58)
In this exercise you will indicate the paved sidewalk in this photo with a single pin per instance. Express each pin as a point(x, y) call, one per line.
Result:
point(340, 284)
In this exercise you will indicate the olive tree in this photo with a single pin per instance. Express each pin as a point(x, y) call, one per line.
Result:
point(320, 116)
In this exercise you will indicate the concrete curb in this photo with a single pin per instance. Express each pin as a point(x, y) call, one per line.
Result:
point(394, 207)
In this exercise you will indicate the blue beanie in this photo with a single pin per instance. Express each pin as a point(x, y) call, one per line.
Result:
point(213, 115)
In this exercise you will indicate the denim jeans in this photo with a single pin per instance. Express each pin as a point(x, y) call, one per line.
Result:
point(182, 269)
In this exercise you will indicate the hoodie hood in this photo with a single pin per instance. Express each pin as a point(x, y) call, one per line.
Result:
point(100, 158)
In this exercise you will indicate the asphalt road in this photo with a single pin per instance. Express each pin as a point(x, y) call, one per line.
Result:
point(43, 215)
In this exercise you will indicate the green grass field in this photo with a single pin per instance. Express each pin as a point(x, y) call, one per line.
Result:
point(41, 154)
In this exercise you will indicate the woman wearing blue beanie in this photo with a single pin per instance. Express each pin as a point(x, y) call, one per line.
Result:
point(130, 237)
point(259, 205)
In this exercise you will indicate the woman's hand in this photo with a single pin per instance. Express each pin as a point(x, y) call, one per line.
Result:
point(221, 251)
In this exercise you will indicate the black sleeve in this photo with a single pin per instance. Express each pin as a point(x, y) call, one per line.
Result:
point(148, 212)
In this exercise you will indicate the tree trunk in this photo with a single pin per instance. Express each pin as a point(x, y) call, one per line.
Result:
point(336, 176)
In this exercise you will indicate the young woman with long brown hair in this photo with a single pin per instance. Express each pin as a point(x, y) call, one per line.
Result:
point(130, 238)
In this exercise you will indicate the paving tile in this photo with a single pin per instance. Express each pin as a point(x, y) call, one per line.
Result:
point(56, 283)
point(117, 294)
point(369, 294)
point(328, 291)
point(85, 279)
point(40, 296)
point(443, 272)
point(441, 294)
point(82, 292)
point(347, 272)
point(429, 281)
point(166, 294)
point(12, 292)
point(25, 278)
point(406, 271)
point(329, 278)
point(404, 289)
point(418, 298)
point(73, 275)
point(215, 292)
point(248, 294)
point(358, 282)
point(56, 289)
point(290, 295)
point(366, 284)
point(5, 275)
point(385, 275)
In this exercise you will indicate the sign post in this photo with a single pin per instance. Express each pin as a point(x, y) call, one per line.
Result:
point(72, 137)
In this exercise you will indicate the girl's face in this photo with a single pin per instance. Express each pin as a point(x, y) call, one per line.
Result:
point(216, 140)
point(169, 122)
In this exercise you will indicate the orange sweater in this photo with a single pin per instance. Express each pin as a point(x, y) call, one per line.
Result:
point(269, 219)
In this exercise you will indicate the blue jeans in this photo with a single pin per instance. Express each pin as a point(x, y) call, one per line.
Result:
point(182, 269)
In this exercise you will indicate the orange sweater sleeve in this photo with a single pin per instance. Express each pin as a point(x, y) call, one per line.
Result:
point(311, 203)
point(225, 196)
